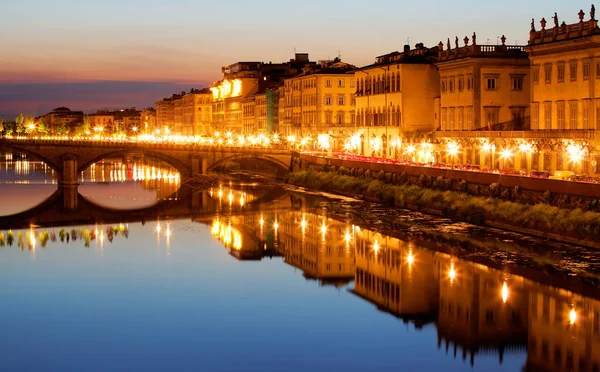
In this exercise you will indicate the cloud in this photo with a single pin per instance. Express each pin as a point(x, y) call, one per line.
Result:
point(39, 98)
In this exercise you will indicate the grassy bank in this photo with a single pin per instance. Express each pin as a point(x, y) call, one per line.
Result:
point(571, 223)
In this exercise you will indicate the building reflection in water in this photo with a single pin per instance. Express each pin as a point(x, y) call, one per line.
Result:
point(477, 310)
point(18, 169)
point(151, 175)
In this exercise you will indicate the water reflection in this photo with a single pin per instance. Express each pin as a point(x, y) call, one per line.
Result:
point(137, 184)
point(477, 311)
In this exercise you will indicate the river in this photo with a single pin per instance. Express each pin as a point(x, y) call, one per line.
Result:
point(244, 277)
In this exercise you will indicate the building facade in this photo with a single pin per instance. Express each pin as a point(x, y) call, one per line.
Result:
point(395, 101)
point(565, 99)
point(320, 101)
point(484, 91)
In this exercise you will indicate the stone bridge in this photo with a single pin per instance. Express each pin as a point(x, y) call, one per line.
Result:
point(70, 157)
point(66, 207)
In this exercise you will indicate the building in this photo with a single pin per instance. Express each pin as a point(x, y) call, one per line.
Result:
point(484, 100)
point(101, 121)
point(165, 113)
point(148, 121)
point(565, 104)
point(242, 80)
point(61, 117)
point(395, 101)
point(320, 101)
point(260, 112)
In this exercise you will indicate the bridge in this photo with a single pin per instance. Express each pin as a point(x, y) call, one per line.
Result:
point(69, 157)
point(66, 207)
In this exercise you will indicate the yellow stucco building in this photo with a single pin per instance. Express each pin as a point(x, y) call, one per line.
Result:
point(484, 103)
point(565, 99)
point(320, 101)
point(395, 101)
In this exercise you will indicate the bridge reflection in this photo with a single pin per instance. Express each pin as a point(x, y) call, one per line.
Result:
point(67, 207)
point(477, 310)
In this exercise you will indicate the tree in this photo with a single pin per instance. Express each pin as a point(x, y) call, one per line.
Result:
point(63, 129)
point(20, 124)
point(83, 128)
point(1, 126)
point(42, 127)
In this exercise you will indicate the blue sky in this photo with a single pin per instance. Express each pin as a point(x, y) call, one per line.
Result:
point(187, 41)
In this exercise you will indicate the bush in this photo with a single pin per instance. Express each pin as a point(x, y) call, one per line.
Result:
point(544, 218)
point(494, 190)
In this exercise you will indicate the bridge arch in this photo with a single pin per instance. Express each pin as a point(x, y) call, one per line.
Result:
point(183, 169)
point(281, 167)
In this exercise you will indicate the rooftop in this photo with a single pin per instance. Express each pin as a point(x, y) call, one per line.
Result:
point(479, 51)
point(564, 31)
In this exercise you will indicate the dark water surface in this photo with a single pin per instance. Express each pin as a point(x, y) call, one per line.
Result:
point(242, 278)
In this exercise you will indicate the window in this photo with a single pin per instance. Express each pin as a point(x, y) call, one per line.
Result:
point(341, 100)
point(328, 100)
point(548, 74)
point(573, 115)
point(547, 162)
point(451, 85)
point(461, 119)
point(586, 115)
point(444, 118)
point(560, 115)
point(491, 117)
point(535, 116)
point(443, 85)
point(352, 83)
point(328, 117)
point(451, 118)
point(535, 78)
point(328, 83)
point(561, 72)
point(340, 118)
point(573, 70)
point(470, 82)
point(586, 71)
point(469, 118)
point(340, 83)
point(461, 84)
point(491, 83)
point(547, 115)
point(516, 82)
point(597, 70)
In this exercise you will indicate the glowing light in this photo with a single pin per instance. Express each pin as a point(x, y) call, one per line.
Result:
point(323, 228)
point(572, 316)
point(167, 130)
point(158, 228)
point(410, 149)
point(487, 147)
point(348, 237)
point(134, 129)
point(453, 148)
point(506, 154)
point(525, 147)
point(452, 272)
point(31, 126)
point(410, 259)
point(262, 221)
point(376, 246)
point(291, 139)
point(276, 226)
point(504, 292)
point(575, 152)
point(303, 224)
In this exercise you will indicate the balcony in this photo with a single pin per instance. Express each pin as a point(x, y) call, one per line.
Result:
point(527, 134)
point(482, 51)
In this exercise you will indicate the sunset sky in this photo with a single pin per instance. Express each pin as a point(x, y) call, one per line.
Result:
point(171, 46)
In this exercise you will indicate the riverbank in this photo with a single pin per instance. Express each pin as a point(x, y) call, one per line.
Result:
point(573, 226)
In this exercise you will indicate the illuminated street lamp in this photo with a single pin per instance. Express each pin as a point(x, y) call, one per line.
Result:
point(452, 149)
point(505, 155)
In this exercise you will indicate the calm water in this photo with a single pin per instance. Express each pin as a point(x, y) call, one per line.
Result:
point(242, 278)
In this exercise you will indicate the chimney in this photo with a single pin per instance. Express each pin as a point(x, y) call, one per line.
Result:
point(406, 48)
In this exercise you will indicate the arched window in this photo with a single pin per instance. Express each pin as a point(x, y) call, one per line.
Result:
point(388, 86)
point(393, 80)
point(384, 145)
point(398, 82)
